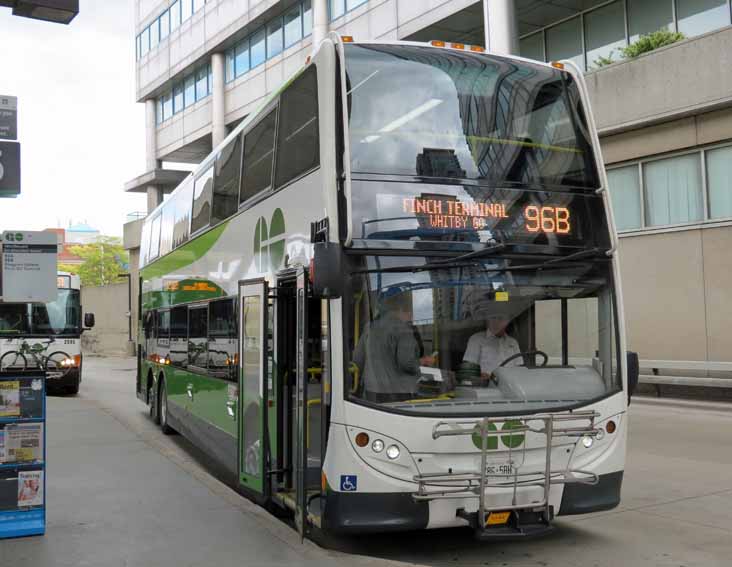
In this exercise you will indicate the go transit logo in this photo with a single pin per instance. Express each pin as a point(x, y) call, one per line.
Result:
point(510, 440)
point(269, 245)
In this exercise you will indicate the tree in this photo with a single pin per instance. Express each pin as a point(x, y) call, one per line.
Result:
point(104, 260)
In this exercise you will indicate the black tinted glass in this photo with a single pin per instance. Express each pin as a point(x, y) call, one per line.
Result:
point(197, 323)
point(179, 322)
point(226, 181)
point(222, 322)
point(258, 156)
point(297, 138)
point(202, 194)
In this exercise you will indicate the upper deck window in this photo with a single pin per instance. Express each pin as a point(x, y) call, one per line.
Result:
point(298, 144)
point(258, 156)
point(424, 112)
point(202, 194)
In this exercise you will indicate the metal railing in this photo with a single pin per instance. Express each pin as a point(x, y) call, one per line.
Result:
point(473, 484)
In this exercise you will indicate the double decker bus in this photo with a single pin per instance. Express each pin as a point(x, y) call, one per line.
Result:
point(390, 299)
point(46, 336)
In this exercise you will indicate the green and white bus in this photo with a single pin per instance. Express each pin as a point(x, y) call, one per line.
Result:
point(390, 299)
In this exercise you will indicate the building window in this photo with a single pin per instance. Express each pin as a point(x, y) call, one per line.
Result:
point(274, 37)
point(159, 115)
point(532, 47)
point(241, 60)
point(719, 179)
point(696, 17)
point(154, 34)
point(202, 83)
point(175, 15)
point(298, 135)
point(647, 16)
point(293, 26)
point(673, 190)
point(257, 50)
point(307, 18)
point(564, 41)
point(186, 9)
point(145, 42)
point(624, 186)
point(178, 105)
point(164, 25)
point(258, 156)
point(139, 46)
point(336, 8)
point(210, 78)
point(604, 33)
point(202, 194)
point(189, 89)
point(167, 106)
point(230, 66)
point(198, 4)
point(353, 4)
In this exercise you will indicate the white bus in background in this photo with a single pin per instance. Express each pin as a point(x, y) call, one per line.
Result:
point(46, 336)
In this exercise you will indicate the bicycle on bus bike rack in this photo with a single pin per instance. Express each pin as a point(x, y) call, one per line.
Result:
point(55, 364)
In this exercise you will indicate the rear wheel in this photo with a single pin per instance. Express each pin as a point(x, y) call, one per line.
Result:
point(13, 359)
point(163, 409)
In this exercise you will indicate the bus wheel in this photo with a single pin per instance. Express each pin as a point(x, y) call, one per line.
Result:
point(163, 409)
point(152, 399)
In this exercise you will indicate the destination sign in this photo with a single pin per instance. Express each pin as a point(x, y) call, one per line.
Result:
point(447, 212)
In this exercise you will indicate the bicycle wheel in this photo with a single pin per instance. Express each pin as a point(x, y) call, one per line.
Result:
point(13, 359)
point(53, 363)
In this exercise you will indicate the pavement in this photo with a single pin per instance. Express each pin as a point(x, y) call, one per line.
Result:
point(122, 494)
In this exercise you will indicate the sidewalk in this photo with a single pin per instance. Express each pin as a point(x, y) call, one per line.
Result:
point(121, 494)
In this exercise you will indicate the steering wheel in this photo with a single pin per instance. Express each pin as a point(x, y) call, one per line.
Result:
point(492, 377)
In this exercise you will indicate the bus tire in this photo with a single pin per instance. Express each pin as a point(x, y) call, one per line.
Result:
point(163, 408)
point(152, 399)
point(7, 359)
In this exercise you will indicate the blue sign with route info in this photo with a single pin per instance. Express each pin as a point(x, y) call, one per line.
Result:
point(349, 483)
point(22, 454)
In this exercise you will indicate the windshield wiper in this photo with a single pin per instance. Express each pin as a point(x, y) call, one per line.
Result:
point(592, 252)
point(483, 252)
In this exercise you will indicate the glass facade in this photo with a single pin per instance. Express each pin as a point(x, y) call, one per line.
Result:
point(673, 191)
point(193, 88)
point(171, 18)
point(275, 38)
point(596, 34)
point(336, 8)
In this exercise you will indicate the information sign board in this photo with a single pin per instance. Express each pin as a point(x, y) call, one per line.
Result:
point(29, 266)
point(8, 117)
point(9, 169)
point(22, 454)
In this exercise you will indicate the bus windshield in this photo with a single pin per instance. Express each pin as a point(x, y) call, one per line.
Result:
point(60, 317)
point(490, 336)
point(425, 112)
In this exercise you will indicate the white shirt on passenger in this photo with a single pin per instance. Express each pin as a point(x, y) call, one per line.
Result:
point(489, 351)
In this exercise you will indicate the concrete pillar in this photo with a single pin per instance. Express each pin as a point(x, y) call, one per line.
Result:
point(218, 110)
point(154, 197)
point(501, 27)
point(154, 194)
point(320, 22)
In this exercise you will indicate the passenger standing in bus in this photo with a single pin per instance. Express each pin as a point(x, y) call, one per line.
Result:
point(388, 353)
point(491, 347)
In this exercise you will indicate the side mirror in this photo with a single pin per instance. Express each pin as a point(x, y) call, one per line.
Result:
point(326, 273)
point(633, 372)
point(88, 320)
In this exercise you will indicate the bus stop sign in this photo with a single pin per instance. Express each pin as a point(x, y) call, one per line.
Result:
point(29, 266)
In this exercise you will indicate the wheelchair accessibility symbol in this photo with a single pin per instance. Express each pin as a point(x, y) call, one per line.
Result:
point(349, 482)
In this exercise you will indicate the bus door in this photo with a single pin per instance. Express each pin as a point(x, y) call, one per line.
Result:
point(301, 401)
point(253, 391)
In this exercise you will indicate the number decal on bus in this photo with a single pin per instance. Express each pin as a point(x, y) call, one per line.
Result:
point(549, 220)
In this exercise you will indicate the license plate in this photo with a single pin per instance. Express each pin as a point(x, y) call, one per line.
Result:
point(500, 469)
point(497, 518)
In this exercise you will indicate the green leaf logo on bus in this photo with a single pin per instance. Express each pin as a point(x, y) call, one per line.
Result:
point(510, 440)
point(269, 245)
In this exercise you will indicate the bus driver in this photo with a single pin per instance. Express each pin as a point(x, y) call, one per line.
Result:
point(491, 347)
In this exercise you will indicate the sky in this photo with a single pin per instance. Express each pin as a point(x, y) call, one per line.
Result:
point(82, 135)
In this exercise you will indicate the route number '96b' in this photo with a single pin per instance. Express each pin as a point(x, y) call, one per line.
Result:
point(550, 220)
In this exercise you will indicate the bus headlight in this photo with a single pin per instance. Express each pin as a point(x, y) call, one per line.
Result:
point(587, 441)
point(67, 362)
point(377, 446)
point(393, 452)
